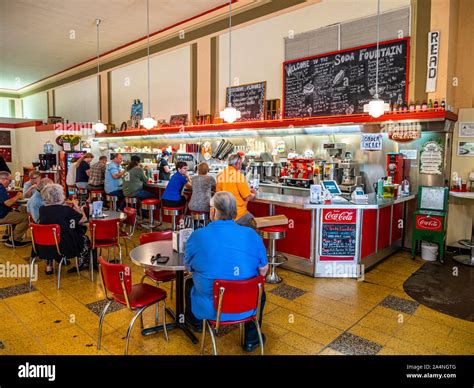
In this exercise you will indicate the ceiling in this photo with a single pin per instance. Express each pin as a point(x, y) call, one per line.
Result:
point(41, 38)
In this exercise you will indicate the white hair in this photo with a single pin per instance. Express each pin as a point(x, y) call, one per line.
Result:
point(53, 194)
point(225, 204)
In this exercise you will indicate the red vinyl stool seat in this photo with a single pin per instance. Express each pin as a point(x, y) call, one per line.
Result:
point(160, 276)
point(273, 233)
point(151, 204)
point(173, 212)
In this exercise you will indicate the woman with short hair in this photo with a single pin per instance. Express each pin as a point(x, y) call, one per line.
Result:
point(70, 217)
point(133, 180)
point(203, 186)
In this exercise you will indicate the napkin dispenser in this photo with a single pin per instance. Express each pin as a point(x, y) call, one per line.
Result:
point(179, 239)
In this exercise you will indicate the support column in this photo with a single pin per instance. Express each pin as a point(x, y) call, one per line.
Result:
point(214, 76)
point(420, 27)
point(51, 102)
point(204, 75)
point(444, 18)
point(193, 106)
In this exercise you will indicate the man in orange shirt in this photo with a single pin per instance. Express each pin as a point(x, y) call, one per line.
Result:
point(232, 180)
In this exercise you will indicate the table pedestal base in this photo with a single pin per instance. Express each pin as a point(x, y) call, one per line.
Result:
point(171, 326)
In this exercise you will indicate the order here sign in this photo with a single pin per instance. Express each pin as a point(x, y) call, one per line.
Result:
point(371, 142)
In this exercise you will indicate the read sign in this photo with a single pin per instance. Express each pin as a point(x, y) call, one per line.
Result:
point(371, 142)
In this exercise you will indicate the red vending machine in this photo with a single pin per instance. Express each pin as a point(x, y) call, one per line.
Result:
point(396, 167)
point(65, 158)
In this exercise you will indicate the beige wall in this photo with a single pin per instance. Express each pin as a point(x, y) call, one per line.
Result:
point(35, 107)
point(258, 50)
point(78, 101)
point(170, 86)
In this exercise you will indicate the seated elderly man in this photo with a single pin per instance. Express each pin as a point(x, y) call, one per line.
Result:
point(19, 220)
point(227, 251)
point(30, 186)
point(36, 201)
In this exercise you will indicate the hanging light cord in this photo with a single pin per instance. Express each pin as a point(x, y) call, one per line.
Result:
point(148, 51)
point(97, 23)
point(377, 56)
point(230, 52)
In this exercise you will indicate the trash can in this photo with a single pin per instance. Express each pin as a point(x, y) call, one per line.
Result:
point(429, 251)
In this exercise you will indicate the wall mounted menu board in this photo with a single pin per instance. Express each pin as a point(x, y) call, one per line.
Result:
point(338, 234)
point(249, 100)
point(342, 82)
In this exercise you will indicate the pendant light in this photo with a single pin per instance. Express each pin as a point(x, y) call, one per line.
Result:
point(148, 122)
point(99, 126)
point(377, 107)
point(230, 114)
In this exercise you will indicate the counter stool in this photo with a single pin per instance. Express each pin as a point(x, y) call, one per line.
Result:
point(273, 233)
point(96, 195)
point(198, 217)
point(150, 205)
point(82, 196)
point(173, 212)
point(111, 199)
point(134, 202)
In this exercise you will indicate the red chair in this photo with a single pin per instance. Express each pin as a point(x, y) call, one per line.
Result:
point(117, 279)
point(155, 276)
point(234, 297)
point(47, 235)
point(105, 234)
point(131, 222)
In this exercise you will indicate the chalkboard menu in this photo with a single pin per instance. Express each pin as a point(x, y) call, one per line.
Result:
point(338, 234)
point(249, 100)
point(338, 240)
point(342, 82)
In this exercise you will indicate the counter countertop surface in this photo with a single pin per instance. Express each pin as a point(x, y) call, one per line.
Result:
point(283, 187)
point(303, 202)
point(462, 194)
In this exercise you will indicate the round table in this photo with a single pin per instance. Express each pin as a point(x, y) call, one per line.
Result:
point(111, 215)
point(141, 256)
point(466, 259)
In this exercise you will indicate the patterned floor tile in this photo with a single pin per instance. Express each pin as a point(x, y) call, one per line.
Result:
point(352, 344)
point(288, 292)
point(97, 307)
point(18, 289)
point(400, 304)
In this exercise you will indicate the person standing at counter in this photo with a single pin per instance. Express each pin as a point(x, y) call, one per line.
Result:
point(97, 175)
point(203, 186)
point(83, 170)
point(134, 179)
point(232, 180)
point(30, 186)
point(214, 252)
point(172, 196)
point(113, 179)
point(163, 168)
point(3, 165)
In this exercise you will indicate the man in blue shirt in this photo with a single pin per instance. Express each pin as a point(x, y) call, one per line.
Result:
point(227, 251)
point(36, 201)
point(113, 179)
point(7, 216)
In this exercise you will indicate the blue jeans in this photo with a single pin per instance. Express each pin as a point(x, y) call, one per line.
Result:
point(143, 194)
point(120, 198)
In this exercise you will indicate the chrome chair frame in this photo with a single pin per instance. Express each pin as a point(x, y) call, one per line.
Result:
point(138, 314)
point(241, 325)
point(61, 262)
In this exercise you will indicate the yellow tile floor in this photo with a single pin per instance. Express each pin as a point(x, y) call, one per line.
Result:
point(54, 322)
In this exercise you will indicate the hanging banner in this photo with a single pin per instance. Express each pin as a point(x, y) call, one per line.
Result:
point(433, 52)
point(431, 158)
point(371, 141)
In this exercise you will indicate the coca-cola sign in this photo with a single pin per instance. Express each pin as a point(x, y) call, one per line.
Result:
point(339, 216)
point(429, 223)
